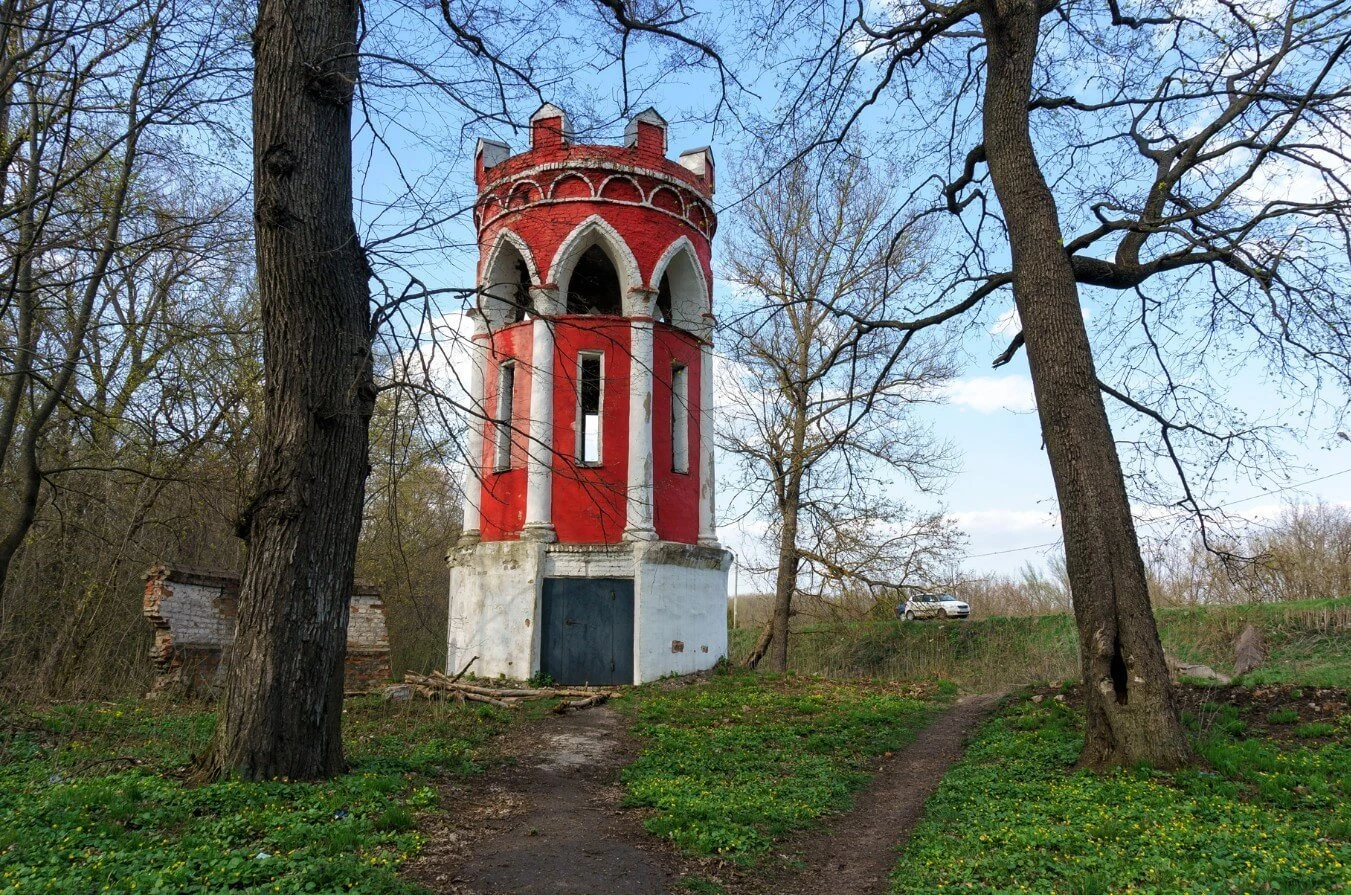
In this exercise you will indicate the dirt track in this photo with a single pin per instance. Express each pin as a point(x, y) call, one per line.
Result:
point(858, 850)
point(552, 823)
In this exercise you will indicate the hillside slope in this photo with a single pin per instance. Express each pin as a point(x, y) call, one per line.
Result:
point(1310, 643)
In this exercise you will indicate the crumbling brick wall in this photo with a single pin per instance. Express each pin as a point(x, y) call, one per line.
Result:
point(192, 614)
point(367, 641)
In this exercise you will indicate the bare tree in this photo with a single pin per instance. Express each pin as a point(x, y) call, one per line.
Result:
point(1182, 166)
point(91, 94)
point(818, 413)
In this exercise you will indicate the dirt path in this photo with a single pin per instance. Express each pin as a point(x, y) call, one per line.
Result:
point(552, 823)
point(858, 850)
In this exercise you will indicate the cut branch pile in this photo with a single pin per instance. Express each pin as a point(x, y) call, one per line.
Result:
point(439, 686)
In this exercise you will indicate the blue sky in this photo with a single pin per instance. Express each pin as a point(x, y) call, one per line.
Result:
point(1003, 497)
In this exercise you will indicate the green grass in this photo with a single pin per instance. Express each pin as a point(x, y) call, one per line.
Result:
point(1283, 716)
point(1309, 641)
point(733, 764)
point(1013, 816)
point(979, 653)
point(1318, 660)
point(92, 800)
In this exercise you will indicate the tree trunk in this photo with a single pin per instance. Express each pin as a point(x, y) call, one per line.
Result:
point(762, 643)
point(790, 506)
point(283, 704)
point(785, 582)
point(1130, 713)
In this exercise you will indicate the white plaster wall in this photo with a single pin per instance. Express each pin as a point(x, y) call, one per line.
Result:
point(494, 598)
point(680, 594)
point(589, 562)
point(679, 602)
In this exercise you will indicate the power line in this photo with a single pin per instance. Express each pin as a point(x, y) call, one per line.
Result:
point(1321, 478)
point(1014, 550)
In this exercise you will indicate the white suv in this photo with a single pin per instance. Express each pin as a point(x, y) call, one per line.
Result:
point(933, 606)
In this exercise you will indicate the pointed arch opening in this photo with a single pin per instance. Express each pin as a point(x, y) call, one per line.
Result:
point(594, 269)
point(505, 287)
point(664, 299)
point(682, 293)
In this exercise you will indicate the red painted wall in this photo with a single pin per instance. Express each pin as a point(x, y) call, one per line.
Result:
point(675, 495)
point(589, 502)
point(502, 503)
point(648, 232)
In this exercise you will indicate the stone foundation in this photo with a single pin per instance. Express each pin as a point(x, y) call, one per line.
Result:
point(192, 614)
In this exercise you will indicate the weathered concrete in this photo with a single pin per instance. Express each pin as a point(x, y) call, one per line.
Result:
point(680, 602)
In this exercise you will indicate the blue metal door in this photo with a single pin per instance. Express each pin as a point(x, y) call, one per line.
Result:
point(587, 633)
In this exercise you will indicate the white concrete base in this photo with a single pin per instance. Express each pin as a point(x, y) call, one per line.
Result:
point(496, 588)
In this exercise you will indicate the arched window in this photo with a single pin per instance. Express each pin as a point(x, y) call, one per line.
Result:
point(593, 287)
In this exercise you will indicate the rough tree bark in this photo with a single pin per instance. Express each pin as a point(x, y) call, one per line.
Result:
point(283, 704)
point(1130, 712)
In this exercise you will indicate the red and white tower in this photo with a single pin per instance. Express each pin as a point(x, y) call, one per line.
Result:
point(589, 548)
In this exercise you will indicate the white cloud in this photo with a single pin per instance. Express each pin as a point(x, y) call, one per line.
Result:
point(1006, 521)
point(1008, 322)
point(987, 394)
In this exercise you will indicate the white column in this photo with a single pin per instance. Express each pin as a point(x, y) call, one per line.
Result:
point(473, 447)
point(638, 525)
point(539, 467)
point(708, 523)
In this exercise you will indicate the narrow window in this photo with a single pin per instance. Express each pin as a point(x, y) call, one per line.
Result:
point(680, 418)
point(589, 395)
point(520, 292)
point(506, 389)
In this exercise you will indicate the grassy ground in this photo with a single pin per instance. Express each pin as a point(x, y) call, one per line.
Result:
point(1310, 642)
point(731, 765)
point(92, 800)
point(1270, 815)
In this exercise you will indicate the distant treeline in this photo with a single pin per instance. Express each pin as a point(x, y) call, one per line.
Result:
point(1304, 554)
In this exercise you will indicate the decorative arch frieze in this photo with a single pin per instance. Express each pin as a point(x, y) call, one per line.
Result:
point(612, 189)
point(643, 190)
point(569, 181)
point(523, 193)
point(667, 199)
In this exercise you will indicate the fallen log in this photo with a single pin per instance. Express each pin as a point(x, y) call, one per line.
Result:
point(567, 704)
point(439, 686)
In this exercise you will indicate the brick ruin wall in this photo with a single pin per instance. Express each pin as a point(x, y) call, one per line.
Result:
point(192, 614)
